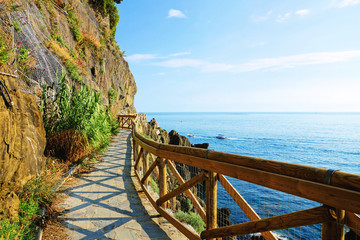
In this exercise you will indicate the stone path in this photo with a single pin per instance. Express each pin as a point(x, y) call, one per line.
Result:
point(105, 204)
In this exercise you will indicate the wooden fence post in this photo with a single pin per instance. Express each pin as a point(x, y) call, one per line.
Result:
point(162, 179)
point(334, 230)
point(146, 166)
point(211, 201)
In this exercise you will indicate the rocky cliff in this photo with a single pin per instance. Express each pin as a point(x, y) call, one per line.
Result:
point(39, 41)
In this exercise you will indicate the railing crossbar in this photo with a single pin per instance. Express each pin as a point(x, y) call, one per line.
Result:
point(149, 171)
point(296, 219)
point(244, 205)
point(183, 187)
point(182, 228)
point(189, 193)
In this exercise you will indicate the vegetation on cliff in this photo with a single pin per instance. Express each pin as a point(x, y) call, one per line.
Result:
point(75, 122)
point(38, 41)
point(37, 192)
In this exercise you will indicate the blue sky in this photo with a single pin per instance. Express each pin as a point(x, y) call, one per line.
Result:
point(243, 56)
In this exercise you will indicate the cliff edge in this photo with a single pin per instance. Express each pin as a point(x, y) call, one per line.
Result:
point(39, 41)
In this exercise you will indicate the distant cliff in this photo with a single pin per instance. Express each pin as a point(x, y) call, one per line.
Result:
point(40, 40)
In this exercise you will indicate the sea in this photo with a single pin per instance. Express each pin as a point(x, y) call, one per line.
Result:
point(326, 140)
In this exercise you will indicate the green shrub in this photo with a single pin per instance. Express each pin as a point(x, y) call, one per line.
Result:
point(36, 193)
point(74, 24)
point(4, 52)
point(154, 186)
point(112, 95)
point(17, 26)
point(192, 219)
point(75, 74)
point(80, 113)
point(108, 7)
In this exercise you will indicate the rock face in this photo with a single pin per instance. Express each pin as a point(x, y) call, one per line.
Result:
point(53, 37)
point(22, 138)
point(22, 134)
point(47, 32)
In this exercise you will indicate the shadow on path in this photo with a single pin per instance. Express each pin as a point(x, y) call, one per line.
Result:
point(104, 204)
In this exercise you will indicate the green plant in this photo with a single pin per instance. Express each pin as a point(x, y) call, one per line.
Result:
point(57, 36)
point(15, 7)
point(4, 53)
point(74, 114)
point(154, 186)
point(108, 8)
point(17, 26)
point(192, 219)
point(37, 192)
point(75, 74)
point(121, 88)
point(74, 24)
point(112, 93)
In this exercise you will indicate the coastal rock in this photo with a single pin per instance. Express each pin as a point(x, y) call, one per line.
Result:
point(223, 220)
point(154, 124)
point(201, 145)
point(177, 139)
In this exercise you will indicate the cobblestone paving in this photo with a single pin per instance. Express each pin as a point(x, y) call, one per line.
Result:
point(104, 204)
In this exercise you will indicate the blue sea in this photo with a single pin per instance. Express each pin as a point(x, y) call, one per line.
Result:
point(327, 140)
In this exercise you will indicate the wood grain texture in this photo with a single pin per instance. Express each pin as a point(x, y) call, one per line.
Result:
point(353, 222)
point(162, 179)
point(183, 187)
point(211, 203)
point(296, 219)
point(149, 171)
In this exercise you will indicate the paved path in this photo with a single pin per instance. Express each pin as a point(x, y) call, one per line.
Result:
point(104, 204)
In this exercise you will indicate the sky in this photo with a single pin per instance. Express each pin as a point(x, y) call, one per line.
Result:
point(243, 56)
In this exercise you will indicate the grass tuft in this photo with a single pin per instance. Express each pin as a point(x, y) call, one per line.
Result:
point(76, 123)
point(192, 219)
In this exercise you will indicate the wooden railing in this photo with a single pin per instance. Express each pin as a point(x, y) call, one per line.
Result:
point(126, 121)
point(338, 192)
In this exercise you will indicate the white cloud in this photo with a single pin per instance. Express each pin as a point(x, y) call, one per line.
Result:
point(296, 60)
point(263, 63)
point(180, 54)
point(140, 57)
point(257, 18)
point(174, 13)
point(302, 12)
point(346, 3)
point(181, 62)
point(281, 18)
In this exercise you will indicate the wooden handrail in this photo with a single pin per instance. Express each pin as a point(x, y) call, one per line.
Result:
point(341, 193)
point(340, 179)
point(326, 194)
point(290, 220)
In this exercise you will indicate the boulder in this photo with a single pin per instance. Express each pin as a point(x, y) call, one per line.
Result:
point(177, 139)
point(201, 145)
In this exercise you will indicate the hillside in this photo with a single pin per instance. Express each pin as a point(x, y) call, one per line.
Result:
point(39, 41)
